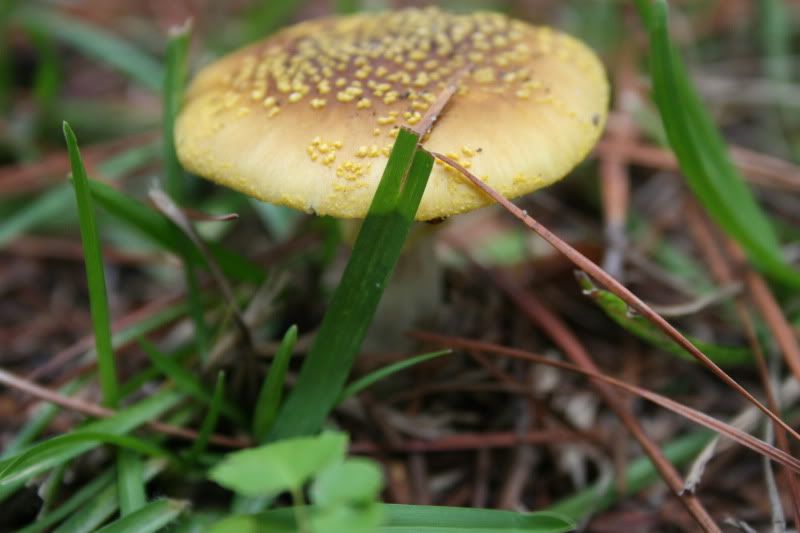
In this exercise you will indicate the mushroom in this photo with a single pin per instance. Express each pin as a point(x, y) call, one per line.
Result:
point(307, 118)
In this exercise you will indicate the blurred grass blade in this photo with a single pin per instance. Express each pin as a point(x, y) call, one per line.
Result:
point(620, 313)
point(122, 422)
point(79, 499)
point(187, 382)
point(269, 398)
point(93, 42)
point(639, 474)
point(130, 482)
point(327, 365)
point(55, 203)
point(88, 518)
point(6, 66)
point(98, 299)
point(266, 17)
point(703, 157)
point(347, 7)
point(49, 453)
point(38, 420)
point(47, 206)
point(210, 420)
point(177, 51)
point(435, 519)
point(776, 37)
point(149, 519)
point(164, 233)
point(382, 373)
point(428, 519)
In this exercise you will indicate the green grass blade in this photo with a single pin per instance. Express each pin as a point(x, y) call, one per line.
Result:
point(776, 37)
point(346, 7)
point(6, 67)
point(386, 371)
point(119, 424)
point(50, 453)
point(47, 206)
point(269, 398)
point(93, 42)
point(34, 425)
point(703, 158)
point(151, 518)
point(434, 519)
point(187, 382)
point(130, 482)
point(165, 234)
point(638, 475)
point(174, 80)
point(210, 420)
point(79, 499)
point(618, 311)
point(55, 203)
point(98, 299)
point(268, 16)
point(202, 333)
point(39, 420)
point(88, 518)
point(431, 519)
point(151, 373)
point(327, 365)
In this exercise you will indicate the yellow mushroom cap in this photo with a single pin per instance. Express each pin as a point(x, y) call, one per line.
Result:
point(307, 117)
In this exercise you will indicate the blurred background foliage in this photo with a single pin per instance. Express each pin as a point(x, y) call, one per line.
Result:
point(101, 65)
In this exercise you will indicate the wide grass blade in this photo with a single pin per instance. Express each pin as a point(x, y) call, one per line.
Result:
point(269, 398)
point(386, 371)
point(775, 23)
point(119, 424)
point(88, 518)
point(703, 157)
point(375, 253)
point(50, 452)
point(266, 17)
point(94, 42)
point(426, 519)
point(130, 481)
point(149, 519)
point(346, 7)
point(434, 519)
point(78, 500)
point(98, 299)
point(177, 51)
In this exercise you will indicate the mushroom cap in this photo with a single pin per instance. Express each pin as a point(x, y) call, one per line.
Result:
point(307, 118)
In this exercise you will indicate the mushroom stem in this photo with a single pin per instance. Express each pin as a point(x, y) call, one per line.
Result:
point(414, 292)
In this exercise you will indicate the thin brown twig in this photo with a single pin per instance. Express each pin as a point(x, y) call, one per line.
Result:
point(575, 350)
point(703, 232)
point(759, 169)
point(744, 439)
point(65, 356)
point(617, 288)
point(97, 411)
